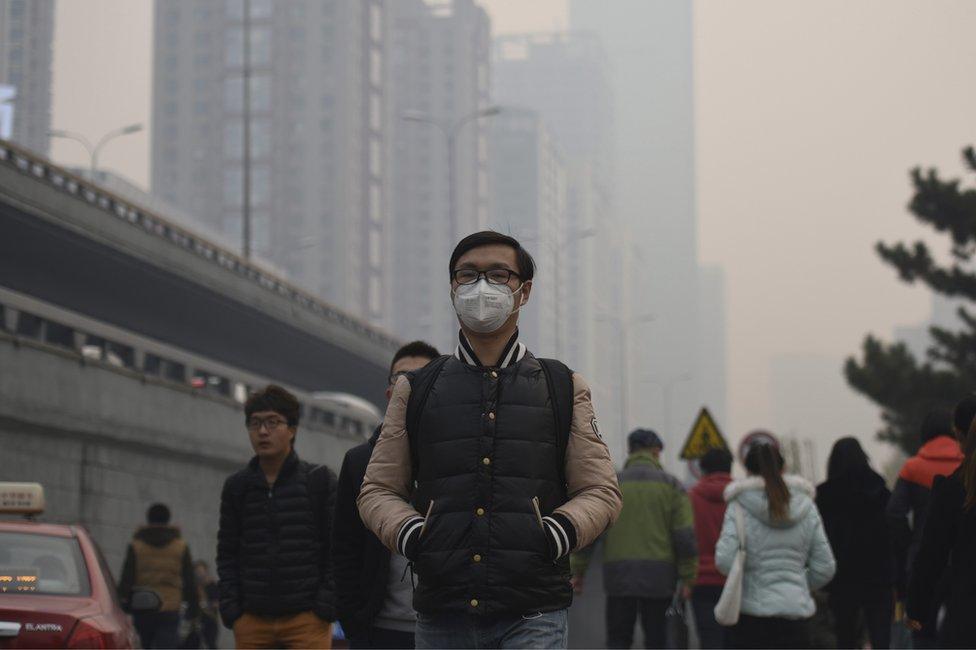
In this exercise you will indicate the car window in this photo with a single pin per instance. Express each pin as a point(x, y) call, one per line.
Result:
point(41, 564)
point(107, 574)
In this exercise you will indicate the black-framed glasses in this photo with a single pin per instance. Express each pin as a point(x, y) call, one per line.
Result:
point(494, 276)
point(255, 424)
point(396, 375)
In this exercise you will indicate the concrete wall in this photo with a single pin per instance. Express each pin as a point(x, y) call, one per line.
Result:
point(106, 443)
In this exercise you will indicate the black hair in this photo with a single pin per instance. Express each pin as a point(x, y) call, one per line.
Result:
point(273, 398)
point(846, 456)
point(765, 460)
point(524, 261)
point(716, 460)
point(158, 514)
point(964, 421)
point(415, 349)
point(937, 422)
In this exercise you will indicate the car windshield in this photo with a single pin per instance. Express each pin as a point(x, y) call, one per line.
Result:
point(42, 564)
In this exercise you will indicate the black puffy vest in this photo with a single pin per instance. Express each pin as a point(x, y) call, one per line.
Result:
point(282, 552)
point(487, 465)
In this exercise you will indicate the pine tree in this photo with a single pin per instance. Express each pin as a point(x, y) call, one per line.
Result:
point(889, 374)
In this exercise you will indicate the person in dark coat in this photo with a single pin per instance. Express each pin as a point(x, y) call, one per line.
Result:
point(852, 503)
point(274, 556)
point(908, 507)
point(945, 566)
point(373, 593)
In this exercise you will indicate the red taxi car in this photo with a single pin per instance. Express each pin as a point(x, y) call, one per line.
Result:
point(55, 588)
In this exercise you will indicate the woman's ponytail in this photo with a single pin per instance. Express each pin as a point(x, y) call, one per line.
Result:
point(765, 460)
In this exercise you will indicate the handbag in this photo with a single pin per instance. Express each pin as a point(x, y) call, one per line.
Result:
point(730, 602)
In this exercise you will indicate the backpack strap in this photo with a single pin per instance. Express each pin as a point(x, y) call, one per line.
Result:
point(560, 381)
point(421, 381)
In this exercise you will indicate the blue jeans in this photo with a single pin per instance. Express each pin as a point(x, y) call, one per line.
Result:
point(454, 630)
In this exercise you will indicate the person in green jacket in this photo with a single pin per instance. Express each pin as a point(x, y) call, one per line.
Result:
point(650, 553)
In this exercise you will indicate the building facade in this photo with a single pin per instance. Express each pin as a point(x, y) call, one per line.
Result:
point(650, 51)
point(440, 62)
point(564, 77)
point(528, 200)
point(319, 140)
point(26, 57)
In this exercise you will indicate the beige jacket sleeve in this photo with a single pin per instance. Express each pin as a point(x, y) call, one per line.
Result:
point(594, 495)
point(386, 487)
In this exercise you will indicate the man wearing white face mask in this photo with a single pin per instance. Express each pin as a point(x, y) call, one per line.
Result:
point(490, 470)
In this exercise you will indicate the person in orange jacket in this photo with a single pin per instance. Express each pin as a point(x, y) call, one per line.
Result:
point(939, 455)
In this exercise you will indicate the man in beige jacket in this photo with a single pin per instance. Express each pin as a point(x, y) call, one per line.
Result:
point(490, 469)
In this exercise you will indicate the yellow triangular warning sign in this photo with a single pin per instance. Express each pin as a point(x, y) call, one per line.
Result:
point(704, 436)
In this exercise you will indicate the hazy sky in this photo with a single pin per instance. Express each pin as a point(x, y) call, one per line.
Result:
point(808, 116)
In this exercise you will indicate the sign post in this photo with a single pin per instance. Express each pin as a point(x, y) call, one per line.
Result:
point(704, 435)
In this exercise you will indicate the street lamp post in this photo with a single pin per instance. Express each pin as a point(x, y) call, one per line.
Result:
point(450, 131)
point(93, 151)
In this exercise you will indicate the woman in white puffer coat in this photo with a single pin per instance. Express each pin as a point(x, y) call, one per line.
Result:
point(787, 553)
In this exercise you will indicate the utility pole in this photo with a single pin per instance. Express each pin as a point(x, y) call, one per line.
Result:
point(246, 116)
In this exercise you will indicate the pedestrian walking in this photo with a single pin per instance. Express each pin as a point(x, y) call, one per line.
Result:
point(490, 469)
point(908, 507)
point(945, 566)
point(650, 553)
point(852, 503)
point(274, 556)
point(708, 507)
point(159, 559)
point(787, 553)
point(209, 594)
point(374, 595)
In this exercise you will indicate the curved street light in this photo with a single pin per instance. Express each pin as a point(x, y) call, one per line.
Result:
point(93, 151)
point(450, 131)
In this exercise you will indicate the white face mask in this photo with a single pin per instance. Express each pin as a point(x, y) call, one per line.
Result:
point(484, 307)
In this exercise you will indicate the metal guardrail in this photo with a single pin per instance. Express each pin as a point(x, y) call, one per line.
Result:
point(57, 177)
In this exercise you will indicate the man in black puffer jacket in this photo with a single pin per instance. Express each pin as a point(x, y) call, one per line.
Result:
point(374, 594)
point(490, 469)
point(273, 546)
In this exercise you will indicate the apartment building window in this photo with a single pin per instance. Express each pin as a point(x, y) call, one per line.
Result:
point(234, 47)
point(261, 185)
point(260, 93)
point(233, 186)
point(233, 94)
point(260, 9)
point(233, 140)
point(260, 138)
point(234, 10)
point(260, 46)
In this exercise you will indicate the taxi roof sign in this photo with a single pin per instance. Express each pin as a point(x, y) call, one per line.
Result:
point(21, 498)
point(704, 435)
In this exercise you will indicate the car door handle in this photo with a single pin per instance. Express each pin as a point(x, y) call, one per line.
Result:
point(9, 629)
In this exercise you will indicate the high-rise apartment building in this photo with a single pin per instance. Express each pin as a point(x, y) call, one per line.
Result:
point(440, 66)
point(564, 77)
point(26, 56)
point(319, 137)
point(649, 48)
point(528, 201)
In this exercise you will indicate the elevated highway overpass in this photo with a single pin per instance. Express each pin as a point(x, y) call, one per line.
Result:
point(74, 244)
